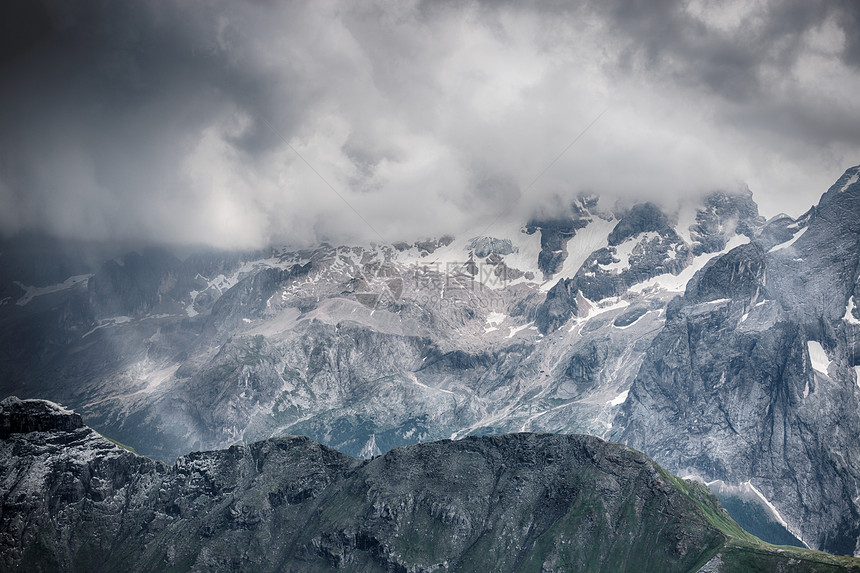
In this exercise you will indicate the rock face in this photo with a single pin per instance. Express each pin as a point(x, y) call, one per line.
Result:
point(740, 336)
point(556, 232)
point(73, 501)
point(17, 417)
point(644, 245)
point(724, 214)
point(753, 377)
point(486, 246)
point(354, 346)
point(558, 307)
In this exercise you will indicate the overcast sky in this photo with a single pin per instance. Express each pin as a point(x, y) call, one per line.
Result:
point(174, 121)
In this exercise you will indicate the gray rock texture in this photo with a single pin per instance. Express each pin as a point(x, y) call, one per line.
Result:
point(752, 377)
point(73, 501)
point(744, 359)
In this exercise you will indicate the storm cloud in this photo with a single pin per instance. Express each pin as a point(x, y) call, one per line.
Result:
point(236, 124)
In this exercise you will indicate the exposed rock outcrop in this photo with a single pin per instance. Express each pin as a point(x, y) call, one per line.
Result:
point(73, 501)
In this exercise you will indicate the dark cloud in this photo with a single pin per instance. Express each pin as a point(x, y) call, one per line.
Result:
point(181, 122)
point(753, 65)
point(849, 21)
point(687, 44)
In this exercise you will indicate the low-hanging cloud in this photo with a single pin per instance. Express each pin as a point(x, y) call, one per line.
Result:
point(238, 124)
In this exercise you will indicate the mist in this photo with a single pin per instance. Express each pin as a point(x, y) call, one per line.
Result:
point(241, 124)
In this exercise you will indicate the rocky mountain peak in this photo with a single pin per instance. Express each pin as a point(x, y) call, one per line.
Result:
point(24, 416)
point(762, 340)
point(545, 328)
point(849, 179)
point(737, 274)
point(840, 206)
point(641, 218)
point(721, 215)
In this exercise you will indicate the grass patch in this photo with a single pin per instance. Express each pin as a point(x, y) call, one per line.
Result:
point(120, 444)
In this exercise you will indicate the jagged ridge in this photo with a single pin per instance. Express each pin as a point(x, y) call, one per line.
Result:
point(73, 501)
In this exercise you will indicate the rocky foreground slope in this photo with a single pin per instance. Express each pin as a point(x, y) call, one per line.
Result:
point(74, 501)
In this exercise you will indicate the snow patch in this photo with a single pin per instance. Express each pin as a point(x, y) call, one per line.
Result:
point(451, 259)
point(600, 307)
point(108, 322)
point(592, 237)
point(31, 292)
point(849, 313)
point(620, 399)
point(606, 305)
point(494, 319)
point(425, 386)
point(748, 492)
point(189, 310)
point(770, 506)
point(818, 357)
point(534, 417)
point(787, 243)
point(370, 449)
point(625, 249)
point(632, 323)
point(516, 329)
point(678, 283)
point(850, 182)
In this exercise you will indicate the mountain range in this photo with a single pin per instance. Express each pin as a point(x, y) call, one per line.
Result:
point(718, 343)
